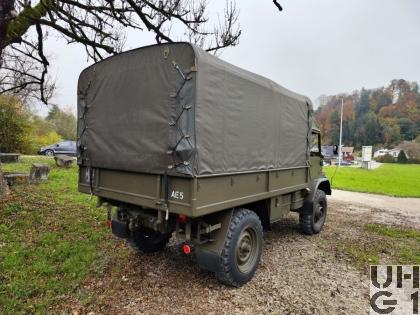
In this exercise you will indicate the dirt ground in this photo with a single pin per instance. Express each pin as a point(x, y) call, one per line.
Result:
point(298, 274)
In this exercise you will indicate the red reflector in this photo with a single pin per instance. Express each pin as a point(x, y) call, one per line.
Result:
point(182, 218)
point(108, 223)
point(186, 249)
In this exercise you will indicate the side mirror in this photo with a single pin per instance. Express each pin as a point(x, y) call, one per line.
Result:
point(57, 145)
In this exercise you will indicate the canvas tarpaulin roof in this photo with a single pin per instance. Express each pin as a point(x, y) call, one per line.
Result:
point(178, 109)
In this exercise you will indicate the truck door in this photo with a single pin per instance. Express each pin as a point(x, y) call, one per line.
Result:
point(315, 154)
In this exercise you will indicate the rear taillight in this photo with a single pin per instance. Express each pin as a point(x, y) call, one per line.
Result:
point(186, 249)
point(182, 218)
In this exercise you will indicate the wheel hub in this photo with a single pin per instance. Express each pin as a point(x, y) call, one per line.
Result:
point(244, 247)
point(319, 212)
point(246, 250)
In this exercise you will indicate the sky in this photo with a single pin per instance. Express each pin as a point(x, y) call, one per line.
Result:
point(312, 47)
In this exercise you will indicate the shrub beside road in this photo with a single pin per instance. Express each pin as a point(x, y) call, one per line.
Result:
point(389, 179)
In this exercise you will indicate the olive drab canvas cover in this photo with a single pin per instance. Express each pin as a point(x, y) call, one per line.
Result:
point(176, 109)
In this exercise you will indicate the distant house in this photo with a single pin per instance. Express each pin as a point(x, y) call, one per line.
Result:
point(380, 152)
point(396, 151)
point(330, 151)
point(393, 152)
point(327, 151)
point(347, 153)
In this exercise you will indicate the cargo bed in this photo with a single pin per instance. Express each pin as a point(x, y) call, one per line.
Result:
point(198, 196)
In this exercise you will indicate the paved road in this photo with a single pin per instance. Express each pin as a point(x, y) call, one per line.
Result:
point(384, 205)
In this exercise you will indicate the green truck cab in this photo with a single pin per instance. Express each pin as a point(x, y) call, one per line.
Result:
point(175, 141)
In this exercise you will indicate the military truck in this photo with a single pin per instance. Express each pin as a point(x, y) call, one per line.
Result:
point(176, 141)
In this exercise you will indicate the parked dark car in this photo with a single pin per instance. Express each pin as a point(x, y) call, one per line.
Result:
point(65, 147)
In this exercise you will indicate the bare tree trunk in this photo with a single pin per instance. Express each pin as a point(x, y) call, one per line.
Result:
point(3, 185)
point(6, 9)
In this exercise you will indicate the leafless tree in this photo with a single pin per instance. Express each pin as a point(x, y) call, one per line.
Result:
point(100, 26)
point(278, 6)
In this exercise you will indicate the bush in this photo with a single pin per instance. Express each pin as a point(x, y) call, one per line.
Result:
point(414, 161)
point(14, 125)
point(36, 142)
point(23, 132)
point(42, 134)
point(402, 158)
point(387, 158)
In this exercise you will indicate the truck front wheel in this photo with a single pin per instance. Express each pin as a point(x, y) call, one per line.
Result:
point(148, 241)
point(242, 249)
point(313, 215)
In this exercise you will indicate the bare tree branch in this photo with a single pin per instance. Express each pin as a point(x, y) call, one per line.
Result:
point(100, 27)
point(277, 5)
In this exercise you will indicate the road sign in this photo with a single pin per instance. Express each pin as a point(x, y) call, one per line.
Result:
point(366, 153)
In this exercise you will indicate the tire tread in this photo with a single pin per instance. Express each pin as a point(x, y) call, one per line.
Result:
point(305, 218)
point(225, 274)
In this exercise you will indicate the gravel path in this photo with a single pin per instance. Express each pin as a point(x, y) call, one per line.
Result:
point(298, 274)
point(381, 208)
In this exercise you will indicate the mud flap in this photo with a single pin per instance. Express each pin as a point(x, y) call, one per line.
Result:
point(207, 260)
point(208, 254)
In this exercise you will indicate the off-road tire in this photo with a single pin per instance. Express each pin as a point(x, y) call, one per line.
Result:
point(148, 241)
point(313, 216)
point(243, 224)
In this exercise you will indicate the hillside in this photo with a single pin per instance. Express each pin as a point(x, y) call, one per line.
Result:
point(383, 116)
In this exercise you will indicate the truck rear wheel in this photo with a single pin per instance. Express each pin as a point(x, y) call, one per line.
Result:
point(312, 217)
point(148, 241)
point(242, 249)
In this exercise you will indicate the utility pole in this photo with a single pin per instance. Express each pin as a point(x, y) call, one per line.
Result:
point(341, 134)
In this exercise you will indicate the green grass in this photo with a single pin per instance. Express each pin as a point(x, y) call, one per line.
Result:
point(362, 255)
point(383, 244)
point(407, 241)
point(394, 232)
point(51, 238)
point(389, 179)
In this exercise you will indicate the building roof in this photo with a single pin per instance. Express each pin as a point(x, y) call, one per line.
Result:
point(347, 149)
point(394, 149)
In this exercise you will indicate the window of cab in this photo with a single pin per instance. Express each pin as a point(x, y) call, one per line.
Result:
point(315, 144)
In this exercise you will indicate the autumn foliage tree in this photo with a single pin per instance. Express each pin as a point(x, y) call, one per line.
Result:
point(14, 125)
point(63, 122)
point(383, 116)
